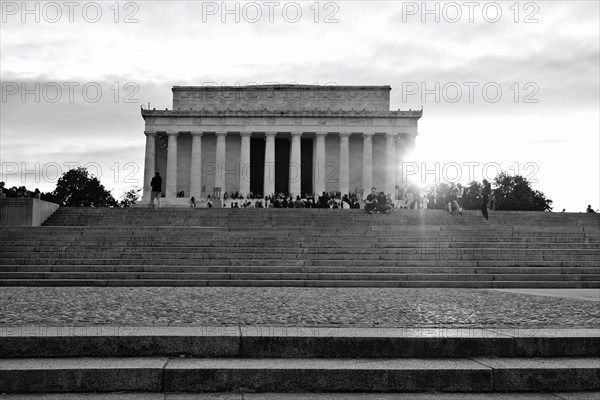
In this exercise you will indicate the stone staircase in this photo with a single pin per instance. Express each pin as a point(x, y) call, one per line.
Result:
point(303, 247)
point(247, 359)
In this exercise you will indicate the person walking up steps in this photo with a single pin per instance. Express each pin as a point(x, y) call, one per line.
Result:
point(156, 184)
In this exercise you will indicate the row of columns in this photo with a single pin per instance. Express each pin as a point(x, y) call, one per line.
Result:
point(396, 148)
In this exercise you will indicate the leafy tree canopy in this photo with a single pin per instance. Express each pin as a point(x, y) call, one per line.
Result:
point(515, 193)
point(511, 193)
point(76, 188)
point(130, 197)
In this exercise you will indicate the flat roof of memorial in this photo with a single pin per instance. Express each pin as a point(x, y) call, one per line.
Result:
point(283, 86)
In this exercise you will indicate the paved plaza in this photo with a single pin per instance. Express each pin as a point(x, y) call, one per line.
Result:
point(341, 307)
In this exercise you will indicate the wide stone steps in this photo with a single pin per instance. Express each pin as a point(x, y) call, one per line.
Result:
point(178, 275)
point(297, 360)
point(307, 232)
point(277, 262)
point(555, 395)
point(298, 248)
point(154, 374)
point(345, 279)
point(287, 231)
point(371, 229)
point(158, 374)
point(425, 269)
point(407, 254)
point(211, 276)
point(471, 284)
point(227, 217)
point(323, 224)
point(426, 248)
point(368, 254)
point(365, 242)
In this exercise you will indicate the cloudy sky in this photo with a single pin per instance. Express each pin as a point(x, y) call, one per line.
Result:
point(508, 86)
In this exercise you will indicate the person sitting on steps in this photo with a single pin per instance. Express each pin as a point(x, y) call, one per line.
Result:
point(371, 203)
point(454, 202)
point(382, 206)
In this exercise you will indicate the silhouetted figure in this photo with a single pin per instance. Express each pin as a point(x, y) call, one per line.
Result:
point(156, 185)
point(298, 203)
point(487, 188)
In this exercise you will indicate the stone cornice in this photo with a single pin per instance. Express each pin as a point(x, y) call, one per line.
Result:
point(323, 88)
point(416, 114)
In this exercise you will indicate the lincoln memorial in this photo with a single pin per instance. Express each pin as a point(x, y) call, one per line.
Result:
point(269, 139)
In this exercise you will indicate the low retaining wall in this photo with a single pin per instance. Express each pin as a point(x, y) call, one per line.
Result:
point(25, 212)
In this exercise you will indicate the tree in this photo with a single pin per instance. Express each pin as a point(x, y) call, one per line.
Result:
point(515, 193)
point(442, 195)
point(472, 196)
point(512, 193)
point(130, 197)
point(76, 188)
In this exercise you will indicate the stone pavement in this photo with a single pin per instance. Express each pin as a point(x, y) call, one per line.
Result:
point(351, 307)
point(581, 294)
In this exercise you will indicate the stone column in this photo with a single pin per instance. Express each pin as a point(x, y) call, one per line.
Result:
point(399, 159)
point(269, 174)
point(410, 143)
point(390, 160)
point(408, 146)
point(196, 169)
point(344, 163)
point(172, 165)
point(367, 163)
point(220, 161)
point(149, 164)
point(319, 165)
point(245, 164)
point(295, 160)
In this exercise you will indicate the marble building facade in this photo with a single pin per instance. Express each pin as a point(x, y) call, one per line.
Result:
point(277, 138)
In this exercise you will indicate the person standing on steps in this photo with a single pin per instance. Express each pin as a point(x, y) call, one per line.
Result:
point(485, 200)
point(452, 202)
point(409, 195)
point(459, 197)
point(156, 184)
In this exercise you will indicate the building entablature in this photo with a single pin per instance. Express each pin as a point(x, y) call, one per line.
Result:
point(414, 114)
